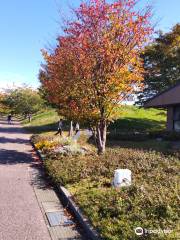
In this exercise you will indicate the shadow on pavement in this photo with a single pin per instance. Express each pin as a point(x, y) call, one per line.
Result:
point(40, 179)
point(11, 157)
point(11, 130)
point(4, 140)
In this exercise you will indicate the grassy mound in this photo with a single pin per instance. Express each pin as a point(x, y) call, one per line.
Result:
point(129, 119)
point(43, 122)
point(133, 119)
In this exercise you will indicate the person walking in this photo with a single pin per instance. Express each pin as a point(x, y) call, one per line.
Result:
point(29, 117)
point(60, 126)
point(77, 128)
point(9, 118)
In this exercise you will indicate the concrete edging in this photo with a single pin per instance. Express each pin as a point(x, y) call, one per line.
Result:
point(38, 152)
point(66, 197)
point(85, 223)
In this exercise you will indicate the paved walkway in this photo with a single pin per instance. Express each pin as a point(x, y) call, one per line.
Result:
point(21, 216)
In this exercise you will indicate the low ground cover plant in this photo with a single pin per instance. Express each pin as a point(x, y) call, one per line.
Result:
point(143, 136)
point(64, 146)
point(151, 202)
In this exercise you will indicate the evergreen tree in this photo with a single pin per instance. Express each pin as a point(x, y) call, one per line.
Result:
point(161, 63)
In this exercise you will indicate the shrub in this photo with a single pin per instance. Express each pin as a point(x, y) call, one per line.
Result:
point(37, 138)
point(136, 136)
point(46, 145)
point(165, 135)
point(64, 140)
point(151, 202)
point(68, 150)
point(141, 136)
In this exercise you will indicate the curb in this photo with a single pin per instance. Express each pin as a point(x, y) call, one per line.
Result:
point(84, 222)
point(38, 152)
point(66, 198)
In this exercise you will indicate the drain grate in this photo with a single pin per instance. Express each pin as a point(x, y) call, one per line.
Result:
point(58, 218)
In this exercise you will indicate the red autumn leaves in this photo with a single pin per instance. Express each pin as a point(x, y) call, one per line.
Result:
point(97, 63)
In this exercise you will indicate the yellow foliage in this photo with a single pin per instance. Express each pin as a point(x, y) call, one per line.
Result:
point(44, 144)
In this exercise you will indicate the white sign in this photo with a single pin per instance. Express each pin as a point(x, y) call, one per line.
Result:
point(122, 177)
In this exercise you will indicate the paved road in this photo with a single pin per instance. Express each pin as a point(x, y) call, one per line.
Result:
point(20, 215)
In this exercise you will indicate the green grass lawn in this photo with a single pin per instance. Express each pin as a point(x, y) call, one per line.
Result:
point(133, 118)
point(130, 118)
point(44, 122)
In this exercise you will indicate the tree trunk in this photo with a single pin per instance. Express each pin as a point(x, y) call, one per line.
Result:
point(71, 129)
point(101, 130)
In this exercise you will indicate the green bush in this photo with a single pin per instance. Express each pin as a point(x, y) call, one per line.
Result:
point(39, 138)
point(113, 136)
point(141, 136)
point(165, 135)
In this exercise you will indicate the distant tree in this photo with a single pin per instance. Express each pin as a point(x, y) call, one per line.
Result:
point(3, 107)
point(97, 62)
point(161, 63)
point(23, 101)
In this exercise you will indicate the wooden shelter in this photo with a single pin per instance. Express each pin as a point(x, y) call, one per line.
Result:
point(169, 99)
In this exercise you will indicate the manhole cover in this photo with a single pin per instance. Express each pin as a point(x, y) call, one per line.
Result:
point(58, 218)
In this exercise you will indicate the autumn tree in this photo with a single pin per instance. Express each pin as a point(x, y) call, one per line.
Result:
point(161, 63)
point(97, 63)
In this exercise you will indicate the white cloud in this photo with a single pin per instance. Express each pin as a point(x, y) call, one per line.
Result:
point(10, 80)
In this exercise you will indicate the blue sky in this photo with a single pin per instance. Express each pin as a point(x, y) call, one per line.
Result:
point(28, 26)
